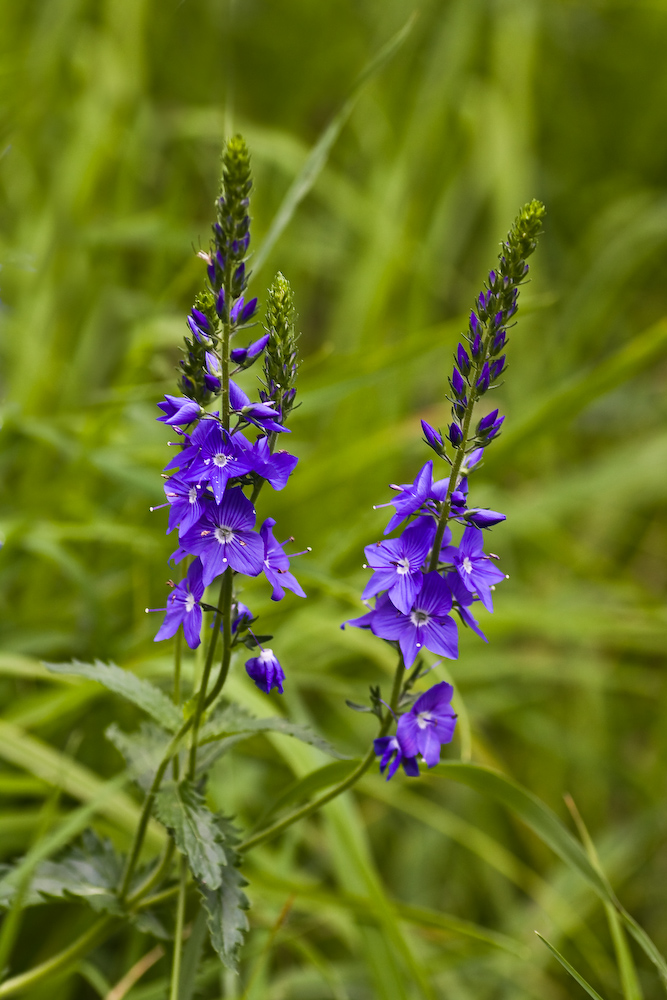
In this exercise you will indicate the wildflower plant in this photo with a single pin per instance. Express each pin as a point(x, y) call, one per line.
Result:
point(228, 446)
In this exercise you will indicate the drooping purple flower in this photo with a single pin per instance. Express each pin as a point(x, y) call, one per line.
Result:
point(221, 457)
point(429, 723)
point(276, 468)
point(411, 496)
point(426, 626)
point(476, 570)
point(178, 410)
point(276, 564)
point(183, 608)
point(260, 414)
point(223, 537)
point(242, 354)
point(387, 747)
point(266, 671)
point(398, 562)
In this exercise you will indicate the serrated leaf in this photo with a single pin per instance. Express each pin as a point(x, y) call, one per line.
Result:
point(90, 873)
point(143, 750)
point(135, 689)
point(225, 906)
point(233, 722)
point(193, 826)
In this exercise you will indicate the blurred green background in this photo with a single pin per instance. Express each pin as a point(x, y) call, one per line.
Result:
point(113, 119)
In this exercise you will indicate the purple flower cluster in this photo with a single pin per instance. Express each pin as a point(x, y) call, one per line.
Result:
point(217, 463)
point(421, 577)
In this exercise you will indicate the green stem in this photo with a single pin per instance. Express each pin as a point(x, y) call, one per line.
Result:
point(177, 689)
point(156, 875)
point(456, 466)
point(225, 595)
point(224, 354)
point(60, 962)
point(159, 897)
point(359, 771)
point(178, 934)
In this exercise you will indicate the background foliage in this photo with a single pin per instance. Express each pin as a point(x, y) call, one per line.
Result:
point(114, 114)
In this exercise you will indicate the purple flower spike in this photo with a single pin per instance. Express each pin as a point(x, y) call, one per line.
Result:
point(178, 410)
point(224, 537)
point(183, 608)
point(397, 564)
point(387, 747)
point(276, 564)
point(476, 570)
point(266, 671)
point(427, 626)
point(242, 354)
point(429, 723)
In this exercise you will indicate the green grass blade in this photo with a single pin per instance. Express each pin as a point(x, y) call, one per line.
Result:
point(573, 972)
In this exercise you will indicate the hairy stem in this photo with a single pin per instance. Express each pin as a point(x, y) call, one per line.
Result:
point(456, 467)
point(342, 786)
point(224, 599)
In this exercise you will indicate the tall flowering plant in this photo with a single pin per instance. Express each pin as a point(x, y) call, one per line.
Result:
point(421, 579)
point(228, 447)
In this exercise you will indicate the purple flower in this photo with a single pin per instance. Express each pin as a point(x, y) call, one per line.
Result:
point(429, 723)
point(223, 537)
point(242, 354)
point(183, 608)
point(178, 410)
point(433, 437)
point(241, 312)
point(476, 570)
point(276, 564)
point(464, 599)
point(427, 625)
point(398, 562)
point(411, 496)
point(266, 671)
point(243, 615)
point(455, 434)
point(221, 457)
point(187, 503)
point(275, 468)
point(482, 517)
point(199, 325)
point(462, 359)
point(260, 414)
point(387, 747)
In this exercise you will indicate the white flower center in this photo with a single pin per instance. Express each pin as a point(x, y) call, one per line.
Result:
point(190, 602)
point(403, 566)
point(467, 565)
point(223, 535)
point(192, 495)
point(423, 719)
point(419, 618)
point(220, 459)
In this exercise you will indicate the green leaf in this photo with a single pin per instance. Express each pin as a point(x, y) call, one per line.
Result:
point(234, 722)
point(90, 872)
point(573, 972)
point(140, 692)
point(143, 750)
point(226, 905)
point(193, 826)
point(549, 829)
